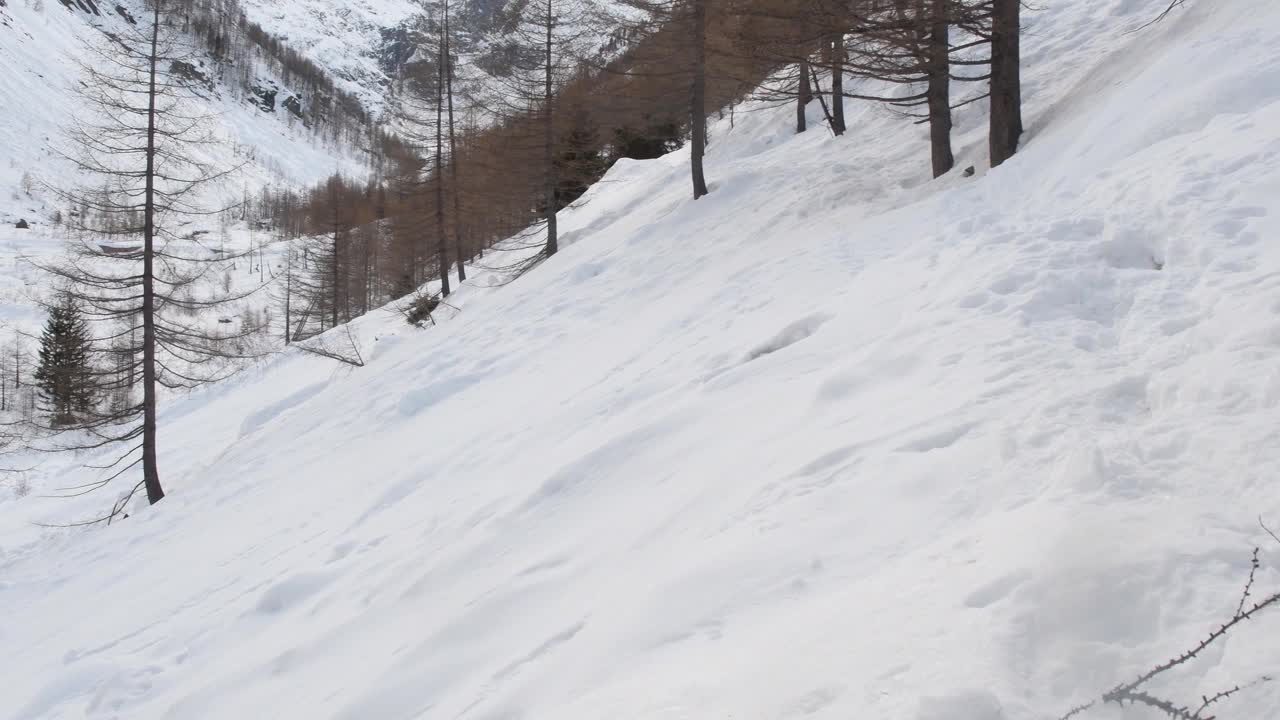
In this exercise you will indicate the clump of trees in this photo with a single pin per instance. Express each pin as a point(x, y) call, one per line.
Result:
point(145, 286)
point(458, 182)
point(240, 49)
point(18, 394)
point(564, 113)
point(923, 47)
point(443, 193)
point(454, 183)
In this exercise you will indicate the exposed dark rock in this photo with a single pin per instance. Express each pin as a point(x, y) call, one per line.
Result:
point(397, 48)
point(190, 73)
point(264, 98)
point(124, 13)
point(22, 225)
point(88, 6)
point(499, 58)
point(293, 104)
point(968, 172)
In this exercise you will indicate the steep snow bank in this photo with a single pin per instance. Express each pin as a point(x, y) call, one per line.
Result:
point(832, 442)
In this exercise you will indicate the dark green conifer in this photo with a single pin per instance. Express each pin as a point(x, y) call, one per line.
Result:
point(64, 375)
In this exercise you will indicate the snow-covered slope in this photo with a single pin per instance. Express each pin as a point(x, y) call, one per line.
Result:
point(369, 45)
point(832, 442)
point(361, 43)
point(40, 44)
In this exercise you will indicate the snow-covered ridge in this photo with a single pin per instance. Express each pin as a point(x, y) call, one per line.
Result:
point(835, 441)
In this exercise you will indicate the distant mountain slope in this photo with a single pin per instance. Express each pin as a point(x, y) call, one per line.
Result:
point(367, 45)
point(361, 43)
point(248, 97)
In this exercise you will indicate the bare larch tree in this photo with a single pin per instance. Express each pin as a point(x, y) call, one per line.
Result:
point(141, 143)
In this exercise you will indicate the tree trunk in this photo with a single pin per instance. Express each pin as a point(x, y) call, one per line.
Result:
point(442, 242)
point(150, 468)
point(337, 274)
point(698, 99)
point(366, 302)
point(460, 255)
point(939, 90)
point(1006, 81)
point(803, 97)
point(288, 292)
point(548, 97)
point(837, 82)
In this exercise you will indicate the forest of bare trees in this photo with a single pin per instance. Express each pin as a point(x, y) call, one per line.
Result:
point(308, 96)
point(144, 285)
point(566, 110)
point(450, 184)
point(468, 166)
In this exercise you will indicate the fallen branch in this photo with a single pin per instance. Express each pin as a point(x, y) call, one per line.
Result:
point(1133, 693)
point(322, 347)
point(1173, 5)
point(1268, 530)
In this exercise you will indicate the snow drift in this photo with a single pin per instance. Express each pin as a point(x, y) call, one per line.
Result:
point(835, 441)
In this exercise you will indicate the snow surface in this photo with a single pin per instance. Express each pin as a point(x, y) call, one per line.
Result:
point(835, 441)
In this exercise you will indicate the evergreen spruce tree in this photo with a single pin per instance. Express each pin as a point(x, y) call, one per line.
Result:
point(64, 375)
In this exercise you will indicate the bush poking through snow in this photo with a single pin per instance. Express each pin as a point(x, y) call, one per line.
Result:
point(21, 486)
point(1133, 692)
point(418, 310)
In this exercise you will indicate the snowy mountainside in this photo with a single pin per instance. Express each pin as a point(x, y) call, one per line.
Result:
point(834, 441)
point(40, 43)
point(369, 45)
point(361, 43)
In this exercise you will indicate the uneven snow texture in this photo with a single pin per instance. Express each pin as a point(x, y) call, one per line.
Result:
point(834, 442)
